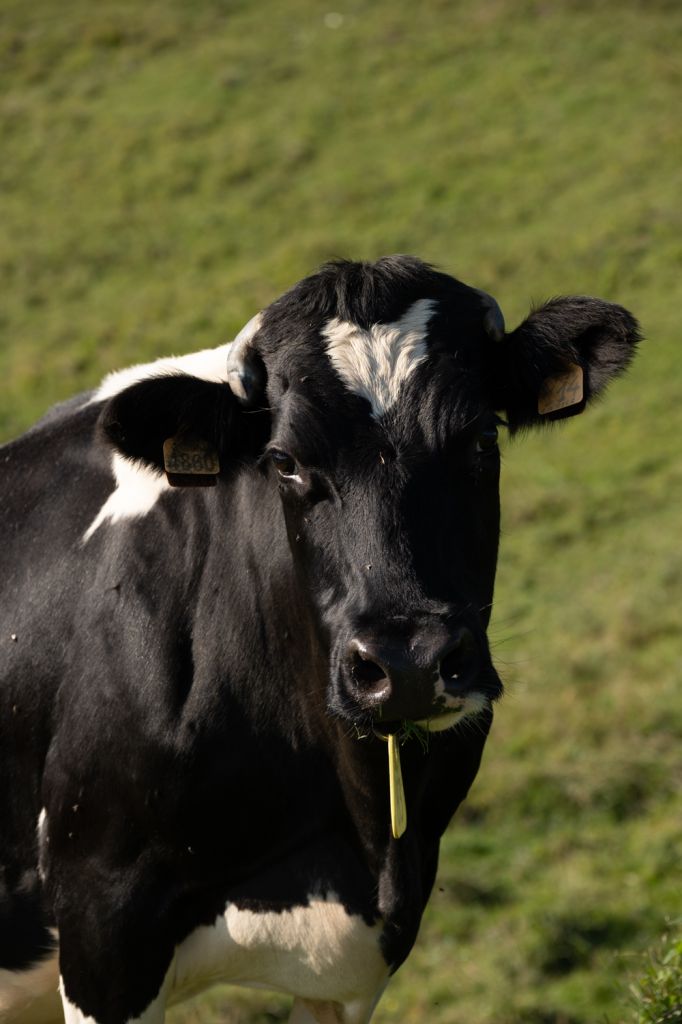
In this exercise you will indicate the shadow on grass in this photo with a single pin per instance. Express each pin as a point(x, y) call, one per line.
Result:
point(566, 942)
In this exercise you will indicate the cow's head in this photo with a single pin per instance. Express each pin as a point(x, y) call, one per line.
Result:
point(371, 396)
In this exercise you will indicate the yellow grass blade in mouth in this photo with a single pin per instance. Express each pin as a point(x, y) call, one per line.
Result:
point(397, 791)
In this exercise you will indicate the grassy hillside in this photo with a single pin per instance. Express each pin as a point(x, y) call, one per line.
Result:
point(168, 168)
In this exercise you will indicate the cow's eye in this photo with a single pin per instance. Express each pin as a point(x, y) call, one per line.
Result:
point(284, 464)
point(487, 440)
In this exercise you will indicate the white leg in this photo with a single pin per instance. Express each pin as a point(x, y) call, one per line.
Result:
point(316, 1011)
point(308, 1011)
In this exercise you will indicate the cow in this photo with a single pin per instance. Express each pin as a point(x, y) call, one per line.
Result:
point(244, 675)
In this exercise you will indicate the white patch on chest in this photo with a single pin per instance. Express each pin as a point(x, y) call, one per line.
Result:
point(375, 363)
point(318, 951)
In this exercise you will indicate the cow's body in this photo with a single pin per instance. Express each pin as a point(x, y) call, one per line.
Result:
point(192, 788)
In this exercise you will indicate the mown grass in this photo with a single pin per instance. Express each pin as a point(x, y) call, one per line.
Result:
point(169, 168)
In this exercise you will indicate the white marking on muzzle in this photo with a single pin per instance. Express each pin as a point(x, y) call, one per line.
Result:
point(457, 709)
point(375, 363)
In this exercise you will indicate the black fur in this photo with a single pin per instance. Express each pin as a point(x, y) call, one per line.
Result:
point(598, 336)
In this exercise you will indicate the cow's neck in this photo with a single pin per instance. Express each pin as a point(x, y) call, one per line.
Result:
point(403, 869)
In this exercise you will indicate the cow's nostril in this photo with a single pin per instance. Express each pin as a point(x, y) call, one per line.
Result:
point(460, 656)
point(365, 671)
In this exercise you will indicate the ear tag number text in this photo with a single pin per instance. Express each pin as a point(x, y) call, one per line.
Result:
point(190, 462)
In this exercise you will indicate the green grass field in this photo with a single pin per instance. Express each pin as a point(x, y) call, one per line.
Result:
point(169, 167)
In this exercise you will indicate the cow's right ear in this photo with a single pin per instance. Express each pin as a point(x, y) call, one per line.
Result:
point(560, 358)
point(197, 415)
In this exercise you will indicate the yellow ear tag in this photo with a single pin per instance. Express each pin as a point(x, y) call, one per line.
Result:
point(562, 392)
point(396, 789)
point(190, 462)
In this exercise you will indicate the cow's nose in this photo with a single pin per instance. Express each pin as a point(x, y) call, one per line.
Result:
point(397, 681)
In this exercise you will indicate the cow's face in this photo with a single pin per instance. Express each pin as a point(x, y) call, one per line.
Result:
point(381, 387)
point(384, 450)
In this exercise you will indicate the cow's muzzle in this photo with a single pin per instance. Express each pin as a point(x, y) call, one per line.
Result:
point(414, 679)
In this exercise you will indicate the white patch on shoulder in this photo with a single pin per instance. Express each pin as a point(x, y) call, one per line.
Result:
point(318, 952)
point(138, 488)
point(209, 364)
point(30, 996)
point(375, 363)
point(137, 491)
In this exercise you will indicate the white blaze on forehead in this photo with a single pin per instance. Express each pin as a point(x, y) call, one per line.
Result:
point(376, 362)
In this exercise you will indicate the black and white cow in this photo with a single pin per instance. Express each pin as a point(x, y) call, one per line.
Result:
point(197, 683)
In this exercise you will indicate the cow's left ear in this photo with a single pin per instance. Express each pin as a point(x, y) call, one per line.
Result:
point(190, 428)
point(563, 355)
